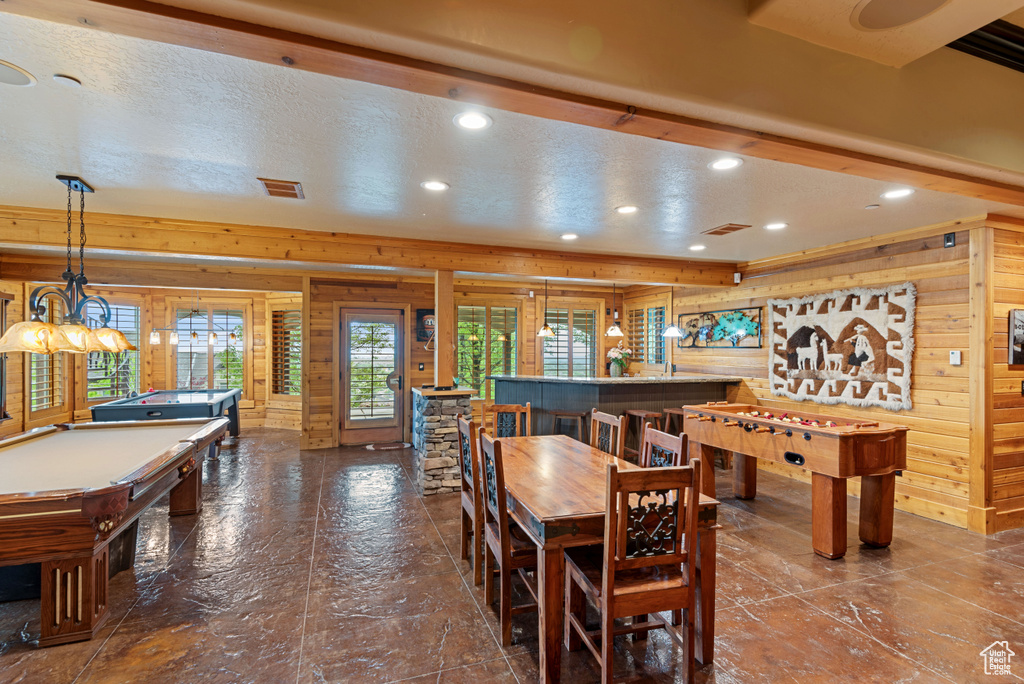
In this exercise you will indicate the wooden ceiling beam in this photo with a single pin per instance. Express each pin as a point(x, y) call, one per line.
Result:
point(162, 23)
point(26, 228)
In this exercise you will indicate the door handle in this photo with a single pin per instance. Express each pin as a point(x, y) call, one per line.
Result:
point(394, 379)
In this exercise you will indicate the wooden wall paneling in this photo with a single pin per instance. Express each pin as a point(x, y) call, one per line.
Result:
point(444, 329)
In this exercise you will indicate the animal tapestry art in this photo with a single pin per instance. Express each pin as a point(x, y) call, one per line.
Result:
point(845, 347)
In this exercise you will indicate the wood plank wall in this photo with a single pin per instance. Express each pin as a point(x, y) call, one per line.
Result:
point(1007, 494)
point(935, 483)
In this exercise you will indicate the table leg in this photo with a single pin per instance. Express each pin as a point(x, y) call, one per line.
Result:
point(73, 603)
point(744, 473)
point(707, 549)
point(706, 454)
point(877, 499)
point(187, 495)
point(828, 515)
point(551, 571)
point(234, 427)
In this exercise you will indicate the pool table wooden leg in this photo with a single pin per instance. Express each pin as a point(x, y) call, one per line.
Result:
point(877, 500)
point(73, 596)
point(828, 515)
point(187, 495)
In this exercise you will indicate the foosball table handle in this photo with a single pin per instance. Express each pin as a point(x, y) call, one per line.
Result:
point(763, 429)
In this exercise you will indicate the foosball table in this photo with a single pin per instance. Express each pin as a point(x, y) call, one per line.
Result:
point(833, 449)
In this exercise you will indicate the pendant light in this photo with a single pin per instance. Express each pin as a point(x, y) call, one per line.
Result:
point(37, 336)
point(545, 330)
point(672, 330)
point(614, 330)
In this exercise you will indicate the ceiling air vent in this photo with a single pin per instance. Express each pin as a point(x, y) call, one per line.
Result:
point(280, 188)
point(725, 229)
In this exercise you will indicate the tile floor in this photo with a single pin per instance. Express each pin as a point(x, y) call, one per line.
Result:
point(327, 567)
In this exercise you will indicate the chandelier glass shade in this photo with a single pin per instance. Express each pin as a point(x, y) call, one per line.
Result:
point(72, 334)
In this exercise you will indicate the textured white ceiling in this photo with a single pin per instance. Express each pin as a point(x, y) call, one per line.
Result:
point(166, 131)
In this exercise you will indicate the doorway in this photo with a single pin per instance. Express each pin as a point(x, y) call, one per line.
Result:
point(372, 367)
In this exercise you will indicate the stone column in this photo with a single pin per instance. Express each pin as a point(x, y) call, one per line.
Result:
point(435, 438)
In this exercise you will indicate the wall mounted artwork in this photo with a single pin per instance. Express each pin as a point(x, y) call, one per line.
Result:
point(729, 328)
point(844, 347)
point(1015, 357)
point(424, 324)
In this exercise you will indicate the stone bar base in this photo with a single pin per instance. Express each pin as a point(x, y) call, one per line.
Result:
point(435, 438)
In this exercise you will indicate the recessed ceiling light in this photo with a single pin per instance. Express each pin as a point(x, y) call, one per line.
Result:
point(474, 121)
point(775, 226)
point(69, 81)
point(697, 248)
point(626, 209)
point(435, 186)
point(12, 74)
point(725, 163)
point(897, 194)
point(569, 236)
point(873, 206)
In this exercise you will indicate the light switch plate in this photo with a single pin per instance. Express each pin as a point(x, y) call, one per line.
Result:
point(954, 357)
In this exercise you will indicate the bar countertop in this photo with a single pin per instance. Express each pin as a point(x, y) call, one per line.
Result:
point(633, 380)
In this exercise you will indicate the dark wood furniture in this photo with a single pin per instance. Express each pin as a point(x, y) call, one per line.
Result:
point(67, 490)
point(508, 420)
point(472, 503)
point(169, 404)
point(577, 418)
point(504, 541)
point(673, 419)
point(869, 449)
point(637, 421)
point(610, 395)
point(647, 563)
point(660, 449)
point(557, 493)
point(608, 433)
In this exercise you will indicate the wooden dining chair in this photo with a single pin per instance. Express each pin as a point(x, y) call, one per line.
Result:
point(608, 433)
point(508, 420)
point(504, 542)
point(472, 502)
point(647, 564)
point(659, 449)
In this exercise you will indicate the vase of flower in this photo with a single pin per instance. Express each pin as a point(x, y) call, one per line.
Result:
point(619, 358)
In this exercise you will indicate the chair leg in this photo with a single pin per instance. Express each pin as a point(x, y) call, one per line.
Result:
point(642, 634)
point(677, 617)
point(575, 604)
point(506, 606)
point(488, 574)
point(688, 637)
point(467, 532)
point(607, 645)
point(478, 556)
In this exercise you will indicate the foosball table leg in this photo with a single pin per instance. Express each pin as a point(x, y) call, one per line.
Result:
point(828, 515)
point(706, 454)
point(744, 473)
point(877, 499)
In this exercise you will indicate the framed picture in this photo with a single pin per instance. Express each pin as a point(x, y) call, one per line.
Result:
point(1016, 338)
point(731, 328)
point(424, 324)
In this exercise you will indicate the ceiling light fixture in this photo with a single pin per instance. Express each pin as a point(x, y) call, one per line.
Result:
point(211, 329)
point(873, 206)
point(775, 226)
point(474, 121)
point(569, 236)
point(626, 209)
point(14, 75)
point(725, 163)
point(614, 330)
point(434, 186)
point(898, 194)
point(545, 330)
point(697, 248)
point(73, 333)
point(69, 81)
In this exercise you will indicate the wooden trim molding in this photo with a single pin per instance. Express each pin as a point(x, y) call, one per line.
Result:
point(981, 515)
point(176, 26)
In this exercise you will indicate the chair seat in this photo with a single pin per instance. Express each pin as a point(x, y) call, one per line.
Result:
point(523, 550)
point(589, 561)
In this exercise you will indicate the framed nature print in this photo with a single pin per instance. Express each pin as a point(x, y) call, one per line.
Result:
point(731, 328)
point(1016, 338)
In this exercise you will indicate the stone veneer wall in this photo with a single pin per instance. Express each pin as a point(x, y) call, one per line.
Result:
point(435, 441)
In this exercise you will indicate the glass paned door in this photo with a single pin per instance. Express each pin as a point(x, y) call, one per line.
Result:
point(372, 406)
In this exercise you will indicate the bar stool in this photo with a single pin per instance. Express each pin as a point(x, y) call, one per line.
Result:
point(642, 417)
point(677, 414)
point(578, 416)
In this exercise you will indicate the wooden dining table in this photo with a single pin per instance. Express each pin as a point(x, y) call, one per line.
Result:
point(556, 492)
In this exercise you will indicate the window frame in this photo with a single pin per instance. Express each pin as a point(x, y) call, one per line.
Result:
point(274, 398)
point(646, 302)
point(172, 304)
point(598, 305)
point(5, 302)
point(513, 302)
point(81, 361)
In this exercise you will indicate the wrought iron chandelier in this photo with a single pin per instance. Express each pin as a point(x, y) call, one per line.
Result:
point(38, 336)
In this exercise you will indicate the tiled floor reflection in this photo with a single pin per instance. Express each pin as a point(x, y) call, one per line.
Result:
point(326, 566)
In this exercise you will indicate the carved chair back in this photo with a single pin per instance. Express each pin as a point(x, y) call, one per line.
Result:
point(492, 475)
point(661, 450)
point(608, 433)
point(508, 420)
point(469, 441)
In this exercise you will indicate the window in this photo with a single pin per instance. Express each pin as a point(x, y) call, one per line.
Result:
point(113, 375)
point(645, 323)
point(572, 350)
point(46, 371)
point(488, 342)
point(286, 352)
point(202, 362)
point(5, 299)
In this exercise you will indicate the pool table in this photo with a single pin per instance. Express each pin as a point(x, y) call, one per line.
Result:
point(68, 490)
point(163, 404)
